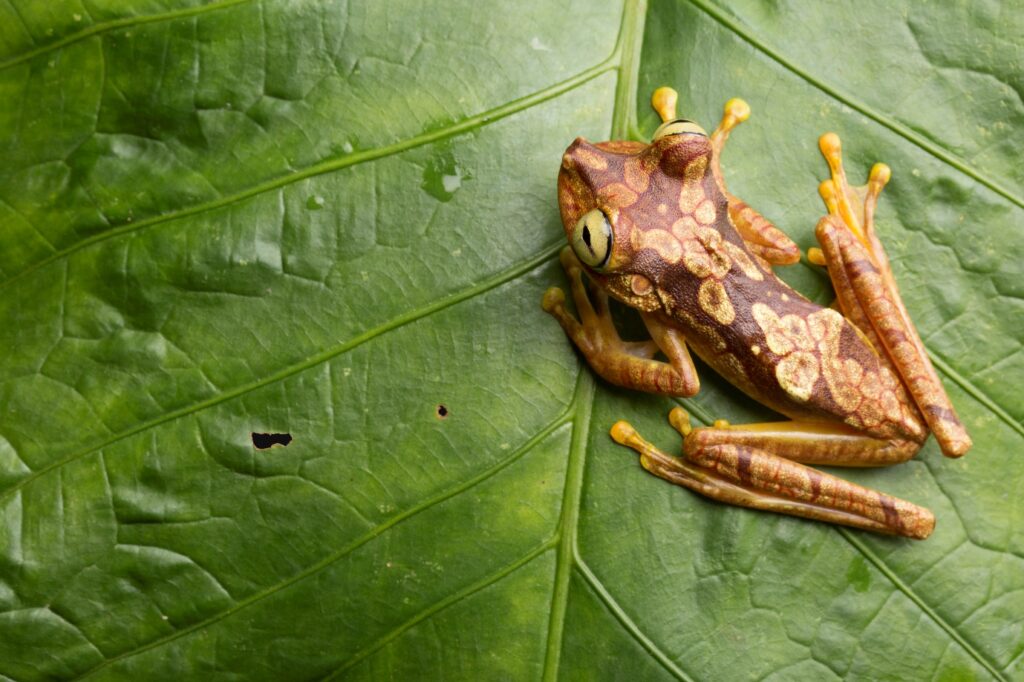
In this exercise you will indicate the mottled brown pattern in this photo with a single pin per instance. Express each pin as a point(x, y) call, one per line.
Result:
point(697, 261)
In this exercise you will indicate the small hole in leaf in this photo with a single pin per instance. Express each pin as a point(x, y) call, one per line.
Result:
point(442, 412)
point(263, 441)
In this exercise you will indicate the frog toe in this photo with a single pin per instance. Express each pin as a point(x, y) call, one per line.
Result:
point(553, 298)
point(853, 206)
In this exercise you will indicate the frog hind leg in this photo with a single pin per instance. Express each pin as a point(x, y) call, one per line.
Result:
point(860, 272)
point(629, 364)
point(761, 237)
point(751, 472)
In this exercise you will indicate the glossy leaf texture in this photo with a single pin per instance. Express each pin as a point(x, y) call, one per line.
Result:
point(336, 220)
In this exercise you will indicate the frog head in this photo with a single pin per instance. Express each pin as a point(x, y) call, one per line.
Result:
point(630, 210)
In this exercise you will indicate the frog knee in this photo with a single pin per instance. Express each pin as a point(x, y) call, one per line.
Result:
point(898, 450)
point(826, 230)
point(698, 443)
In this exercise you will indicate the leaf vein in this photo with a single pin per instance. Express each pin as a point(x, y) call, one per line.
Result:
point(620, 615)
point(330, 559)
point(975, 392)
point(115, 24)
point(926, 610)
point(582, 406)
point(328, 166)
point(903, 131)
point(312, 361)
point(465, 593)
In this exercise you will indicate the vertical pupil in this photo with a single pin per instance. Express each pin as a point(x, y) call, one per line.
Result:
point(586, 237)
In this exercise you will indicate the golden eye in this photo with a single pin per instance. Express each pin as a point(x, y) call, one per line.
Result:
point(680, 126)
point(592, 239)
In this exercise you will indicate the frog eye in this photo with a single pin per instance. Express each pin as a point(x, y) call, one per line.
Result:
point(680, 126)
point(592, 239)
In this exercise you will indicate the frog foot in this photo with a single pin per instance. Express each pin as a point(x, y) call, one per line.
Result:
point(629, 364)
point(867, 293)
point(850, 206)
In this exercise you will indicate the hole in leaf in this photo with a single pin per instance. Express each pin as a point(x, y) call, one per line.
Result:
point(263, 441)
point(442, 412)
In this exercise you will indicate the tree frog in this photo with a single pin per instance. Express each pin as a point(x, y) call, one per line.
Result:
point(654, 226)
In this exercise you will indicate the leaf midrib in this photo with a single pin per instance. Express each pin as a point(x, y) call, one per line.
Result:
point(582, 408)
point(583, 405)
point(627, 53)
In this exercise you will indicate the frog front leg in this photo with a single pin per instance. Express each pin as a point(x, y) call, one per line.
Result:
point(867, 293)
point(759, 466)
point(629, 364)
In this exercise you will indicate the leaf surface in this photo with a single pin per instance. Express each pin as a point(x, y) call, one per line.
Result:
point(336, 220)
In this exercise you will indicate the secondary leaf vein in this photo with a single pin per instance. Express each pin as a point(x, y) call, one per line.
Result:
point(975, 392)
point(620, 615)
point(927, 610)
point(903, 131)
point(312, 361)
point(443, 496)
point(115, 24)
point(328, 166)
point(443, 604)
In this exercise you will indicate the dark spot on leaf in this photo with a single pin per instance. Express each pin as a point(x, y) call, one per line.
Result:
point(262, 441)
point(442, 412)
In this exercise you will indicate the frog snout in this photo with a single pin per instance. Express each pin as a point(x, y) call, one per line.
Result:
point(581, 146)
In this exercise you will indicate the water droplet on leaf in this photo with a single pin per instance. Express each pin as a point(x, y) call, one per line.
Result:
point(443, 176)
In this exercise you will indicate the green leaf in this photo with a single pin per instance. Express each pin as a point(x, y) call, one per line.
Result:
point(336, 220)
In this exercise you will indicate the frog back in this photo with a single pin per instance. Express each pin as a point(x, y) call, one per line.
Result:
point(805, 361)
